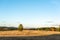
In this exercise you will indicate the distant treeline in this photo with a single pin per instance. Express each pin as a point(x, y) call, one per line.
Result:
point(21, 28)
point(3, 28)
point(45, 29)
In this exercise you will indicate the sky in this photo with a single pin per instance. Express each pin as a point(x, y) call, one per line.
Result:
point(30, 13)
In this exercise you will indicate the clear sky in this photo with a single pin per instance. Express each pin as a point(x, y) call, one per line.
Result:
point(31, 13)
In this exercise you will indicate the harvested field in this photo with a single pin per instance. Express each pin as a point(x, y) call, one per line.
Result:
point(27, 33)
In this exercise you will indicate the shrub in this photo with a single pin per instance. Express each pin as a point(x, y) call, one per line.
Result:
point(53, 29)
point(47, 29)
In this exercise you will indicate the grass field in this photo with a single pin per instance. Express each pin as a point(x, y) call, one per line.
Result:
point(27, 33)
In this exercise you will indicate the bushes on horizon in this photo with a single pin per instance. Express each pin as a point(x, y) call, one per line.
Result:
point(52, 29)
point(44, 28)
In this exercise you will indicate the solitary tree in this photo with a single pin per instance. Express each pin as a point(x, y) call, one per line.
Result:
point(20, 27)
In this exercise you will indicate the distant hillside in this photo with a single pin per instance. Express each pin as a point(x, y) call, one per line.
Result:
point(4, 28)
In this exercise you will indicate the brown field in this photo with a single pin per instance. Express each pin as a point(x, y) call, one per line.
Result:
point(27, 33)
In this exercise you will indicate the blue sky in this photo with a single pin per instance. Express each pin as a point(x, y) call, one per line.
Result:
point(31, 13)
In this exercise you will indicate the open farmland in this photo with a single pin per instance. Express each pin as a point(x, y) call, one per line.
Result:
point(27, 33)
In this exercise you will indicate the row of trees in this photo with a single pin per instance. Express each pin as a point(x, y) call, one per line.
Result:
point(20, 27)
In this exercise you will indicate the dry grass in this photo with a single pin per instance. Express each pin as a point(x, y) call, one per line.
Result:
point(27, 33)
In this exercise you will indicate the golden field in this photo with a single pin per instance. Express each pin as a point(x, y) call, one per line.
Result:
point(27, 33)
